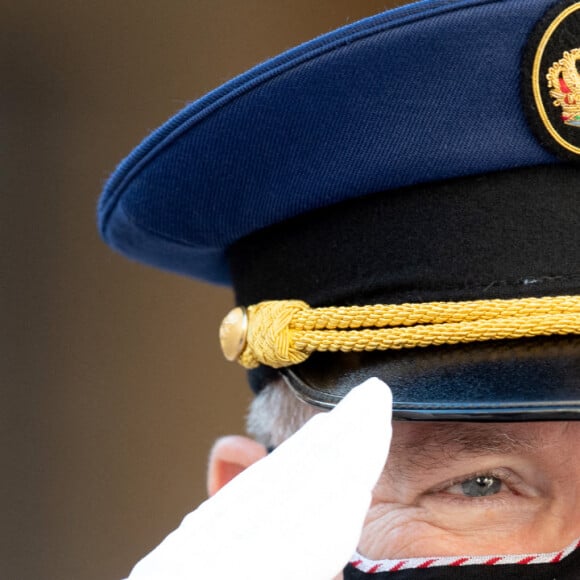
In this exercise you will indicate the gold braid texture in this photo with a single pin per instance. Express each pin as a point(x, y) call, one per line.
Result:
point(286, 332)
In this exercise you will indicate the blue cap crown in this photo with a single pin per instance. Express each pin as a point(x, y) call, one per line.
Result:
point(427, 92)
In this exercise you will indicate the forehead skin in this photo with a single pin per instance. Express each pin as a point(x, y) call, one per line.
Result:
point(419, 446)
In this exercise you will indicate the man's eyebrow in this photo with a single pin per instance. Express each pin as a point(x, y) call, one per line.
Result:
point(439, 444)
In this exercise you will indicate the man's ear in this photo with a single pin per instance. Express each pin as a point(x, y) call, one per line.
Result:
point(229, 457)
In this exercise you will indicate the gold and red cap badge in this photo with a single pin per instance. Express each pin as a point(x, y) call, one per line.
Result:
point(551, 80)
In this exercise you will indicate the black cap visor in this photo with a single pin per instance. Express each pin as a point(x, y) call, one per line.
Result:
point(523, 380)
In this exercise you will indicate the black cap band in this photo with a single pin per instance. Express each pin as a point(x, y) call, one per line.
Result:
point(507, 235)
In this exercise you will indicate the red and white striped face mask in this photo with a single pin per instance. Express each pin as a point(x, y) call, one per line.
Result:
point(562, 565)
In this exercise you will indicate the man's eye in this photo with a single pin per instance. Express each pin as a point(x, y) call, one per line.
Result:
point(477, 486)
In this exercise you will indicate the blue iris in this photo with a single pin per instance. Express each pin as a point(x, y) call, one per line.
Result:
point(481, 486)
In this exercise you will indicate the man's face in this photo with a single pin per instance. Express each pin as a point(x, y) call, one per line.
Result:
point(476, 489)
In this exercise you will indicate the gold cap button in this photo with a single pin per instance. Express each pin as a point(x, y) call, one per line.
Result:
point(233, 332)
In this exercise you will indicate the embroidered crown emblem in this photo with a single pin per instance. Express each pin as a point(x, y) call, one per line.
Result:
point(564, 83)
point(551, 87)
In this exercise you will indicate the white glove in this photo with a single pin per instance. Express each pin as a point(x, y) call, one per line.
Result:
point(297, 513)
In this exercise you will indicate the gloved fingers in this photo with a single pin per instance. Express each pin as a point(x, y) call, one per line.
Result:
point(297, 513)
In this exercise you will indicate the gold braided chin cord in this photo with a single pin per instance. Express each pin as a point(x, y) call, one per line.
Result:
point(282, 333)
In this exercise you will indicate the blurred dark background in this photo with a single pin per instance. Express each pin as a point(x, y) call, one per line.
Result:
point(113, 386)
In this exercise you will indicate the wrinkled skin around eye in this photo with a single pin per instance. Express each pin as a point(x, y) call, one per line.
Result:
point(477, 502)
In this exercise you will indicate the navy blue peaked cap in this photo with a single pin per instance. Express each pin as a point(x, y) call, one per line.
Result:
point(426, 92)
point(419, 155)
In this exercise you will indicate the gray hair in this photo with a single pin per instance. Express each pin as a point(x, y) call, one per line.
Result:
point(276, 413)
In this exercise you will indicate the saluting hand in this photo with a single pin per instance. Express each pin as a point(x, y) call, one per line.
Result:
point(297, 513)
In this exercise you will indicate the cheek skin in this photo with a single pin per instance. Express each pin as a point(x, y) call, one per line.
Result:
point(398, 531)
